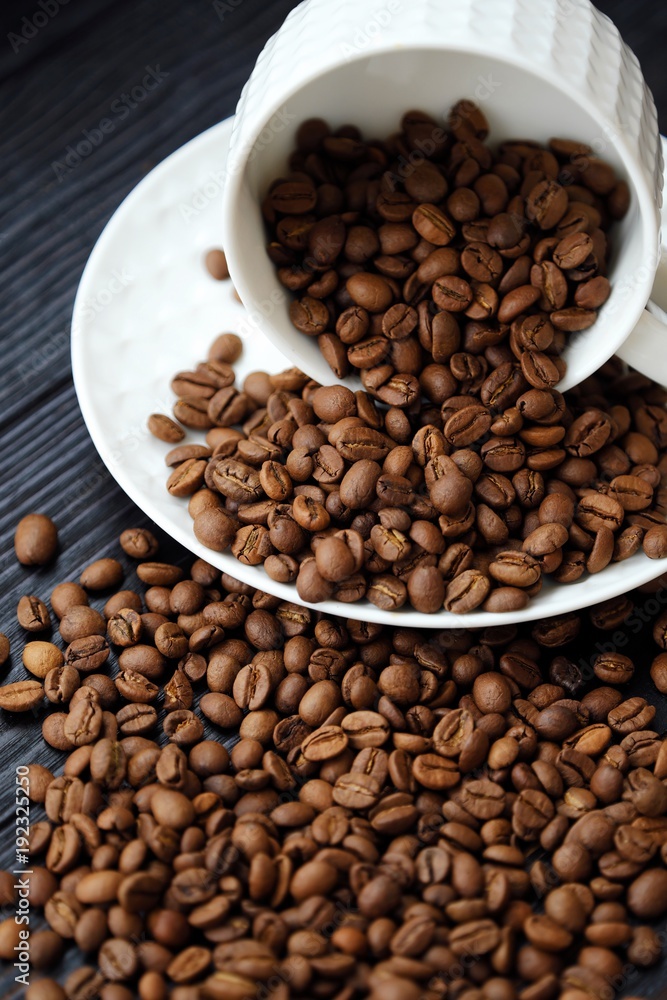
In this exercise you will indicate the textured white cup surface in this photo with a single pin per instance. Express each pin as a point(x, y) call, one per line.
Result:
point(557, 68)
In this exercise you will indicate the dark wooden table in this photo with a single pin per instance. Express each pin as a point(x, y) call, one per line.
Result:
point(62, 67)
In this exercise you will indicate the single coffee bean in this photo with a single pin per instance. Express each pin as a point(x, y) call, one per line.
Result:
point(67, 595)
point(135, 686)
point(21, 696)
point(83, 723)
point(466, 591)
point(39, 658)
point(546, 203)
point(102, 575)
point(655, 542)
point(61, 683)
point(33, 614)
point(125, 627)
point(139, 543)
point(646, 899)
point(613, 668)
point(86, 653)
point(35, 540)
point(63, 911)
point(142, 659)
point(165, 429)
point(53, 731)
point(81, 621)
point(216, 264)
point(369, 291)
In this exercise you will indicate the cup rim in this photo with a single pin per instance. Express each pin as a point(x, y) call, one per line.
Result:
point(648, 210)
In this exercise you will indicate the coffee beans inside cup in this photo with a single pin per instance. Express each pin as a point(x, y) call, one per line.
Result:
point(407, 813)
point(431, 250)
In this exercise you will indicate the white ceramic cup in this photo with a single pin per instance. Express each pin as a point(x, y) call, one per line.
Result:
point(553, 68)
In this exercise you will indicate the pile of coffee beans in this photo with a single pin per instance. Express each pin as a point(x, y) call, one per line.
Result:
point(406, 815)
point(431, 252)
point(469, 499)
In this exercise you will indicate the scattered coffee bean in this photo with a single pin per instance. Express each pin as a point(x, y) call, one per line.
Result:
point(39, 658)
point(33, 614)
point(226, 347)
point(35, 540)
point(139, 543)
point(65, 596)
point(216, 264)
point(21, 696)
point(102, 575)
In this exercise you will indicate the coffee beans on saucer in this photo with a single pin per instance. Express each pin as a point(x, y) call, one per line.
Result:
point(473, 496)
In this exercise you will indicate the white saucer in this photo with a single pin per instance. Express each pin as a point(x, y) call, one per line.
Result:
point(146, 308)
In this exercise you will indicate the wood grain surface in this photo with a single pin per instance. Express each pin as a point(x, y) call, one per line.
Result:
point(60, 74)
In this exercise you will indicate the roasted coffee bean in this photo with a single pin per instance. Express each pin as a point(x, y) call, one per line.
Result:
point(164, 428)
point(139, 543)
point(102, 574)
point(83, 723)
point(646, 898)
point(655, 542)
point(80, 622)
point(39, 778)
point(35, 540)
point(87, 653)
point(61, 683)
point(214, 528)
point(21, 696)
point(63, 911)
point(142, 659)
point(293, 197)
point(157, 574)
point(108, 763)
point(53, 731)
point(613, 668)
point(39, 658)
point(221, 709)
point(125, 627)
point(546, 203)
point(33, 614)
point(466, 591)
